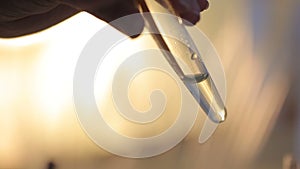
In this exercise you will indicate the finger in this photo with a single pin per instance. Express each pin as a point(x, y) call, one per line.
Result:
point(190, 18)
point(36, 23)
point(131, 26)
point(204, 4)
point(189, 10)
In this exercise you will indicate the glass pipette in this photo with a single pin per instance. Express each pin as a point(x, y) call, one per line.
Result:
point(196, 78)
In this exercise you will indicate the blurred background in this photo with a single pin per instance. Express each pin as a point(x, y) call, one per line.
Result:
point(258, 43)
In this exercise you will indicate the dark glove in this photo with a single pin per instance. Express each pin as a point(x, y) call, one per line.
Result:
point(21, 17)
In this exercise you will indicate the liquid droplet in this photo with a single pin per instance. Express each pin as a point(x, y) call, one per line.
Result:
point(180, 20)
point(223, 115)
point(194, 56)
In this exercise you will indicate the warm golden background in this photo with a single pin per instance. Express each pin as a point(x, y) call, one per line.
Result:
point(258, 42)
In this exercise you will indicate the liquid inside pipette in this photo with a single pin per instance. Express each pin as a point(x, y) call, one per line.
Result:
point(204, 91)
